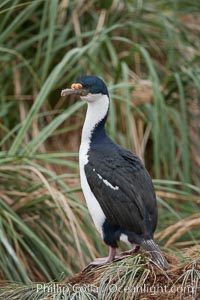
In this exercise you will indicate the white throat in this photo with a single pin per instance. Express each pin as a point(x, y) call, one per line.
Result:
point(97, 109)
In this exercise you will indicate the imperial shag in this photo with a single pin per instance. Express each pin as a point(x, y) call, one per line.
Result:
point(117, 187)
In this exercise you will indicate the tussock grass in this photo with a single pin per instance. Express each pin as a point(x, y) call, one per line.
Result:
point(133, 277)
point(148, 53)
point(44, 208)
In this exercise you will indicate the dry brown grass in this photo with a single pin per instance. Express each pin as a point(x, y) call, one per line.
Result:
point(171, 284)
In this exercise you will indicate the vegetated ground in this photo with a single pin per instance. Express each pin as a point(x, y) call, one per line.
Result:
point(132, 277)
point(181, 281)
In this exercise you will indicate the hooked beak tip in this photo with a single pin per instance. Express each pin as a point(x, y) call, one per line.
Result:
point(80, 92)
point(65, 92)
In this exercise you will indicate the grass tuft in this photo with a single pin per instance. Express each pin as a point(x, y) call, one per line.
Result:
point(132, 277)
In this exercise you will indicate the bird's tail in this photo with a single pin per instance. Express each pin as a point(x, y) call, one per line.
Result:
point(155, 253)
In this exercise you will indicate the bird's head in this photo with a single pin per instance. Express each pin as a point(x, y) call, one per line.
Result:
point(88, 87)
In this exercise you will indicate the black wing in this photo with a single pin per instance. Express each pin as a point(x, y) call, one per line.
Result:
point(123, 188)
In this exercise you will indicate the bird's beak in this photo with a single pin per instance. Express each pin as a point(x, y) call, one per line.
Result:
point(76, 89)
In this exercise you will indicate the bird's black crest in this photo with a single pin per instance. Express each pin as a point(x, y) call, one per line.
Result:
point(93, 83)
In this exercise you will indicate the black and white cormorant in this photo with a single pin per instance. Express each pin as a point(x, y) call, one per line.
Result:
point(118, 189)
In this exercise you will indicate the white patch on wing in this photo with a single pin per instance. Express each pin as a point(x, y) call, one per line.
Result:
point(95, 113)
point(124, 238)
point(115, 188)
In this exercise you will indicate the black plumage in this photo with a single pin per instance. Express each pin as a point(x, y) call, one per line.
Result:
point(131, 203)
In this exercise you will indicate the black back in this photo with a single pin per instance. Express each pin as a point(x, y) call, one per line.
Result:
point(122, 186)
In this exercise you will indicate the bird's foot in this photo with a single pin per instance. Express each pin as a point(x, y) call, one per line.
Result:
point(104, 260)
point(112, 255)
point(100, 261)
point(134, 249)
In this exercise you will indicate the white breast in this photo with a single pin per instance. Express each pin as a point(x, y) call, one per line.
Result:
point(97, 109)
point(92, 203)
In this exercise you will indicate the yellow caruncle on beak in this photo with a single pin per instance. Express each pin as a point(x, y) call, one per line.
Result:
point(76, 89)
point(76, 86)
